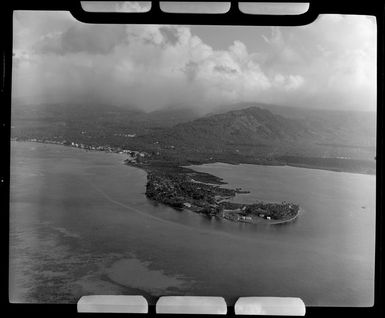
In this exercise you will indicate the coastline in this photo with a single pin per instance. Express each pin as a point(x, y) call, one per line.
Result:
point(276, 222)
point(180, 190)
point(276, 241)
point(262, 221)
point(212, 198)
point(304, 166)
point(199, 178)
point(186, 164)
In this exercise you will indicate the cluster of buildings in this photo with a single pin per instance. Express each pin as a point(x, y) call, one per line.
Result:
point(46, 141)
point(125, 135)
point(99, 148)
point(133, 155)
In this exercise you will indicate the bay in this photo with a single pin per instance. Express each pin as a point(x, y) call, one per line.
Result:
point(81, 224)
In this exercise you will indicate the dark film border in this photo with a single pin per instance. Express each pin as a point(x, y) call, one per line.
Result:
point(156, 16)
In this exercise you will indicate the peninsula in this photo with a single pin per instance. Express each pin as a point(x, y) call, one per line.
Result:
point(183, 188)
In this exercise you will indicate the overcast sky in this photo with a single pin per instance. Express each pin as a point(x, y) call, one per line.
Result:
point(330, 63)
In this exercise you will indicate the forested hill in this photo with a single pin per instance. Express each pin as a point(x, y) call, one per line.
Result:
point(261, 130)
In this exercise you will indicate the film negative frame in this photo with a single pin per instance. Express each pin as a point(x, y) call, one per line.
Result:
point(155, 16)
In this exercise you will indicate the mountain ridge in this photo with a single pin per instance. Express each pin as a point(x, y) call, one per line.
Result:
point(258, 126)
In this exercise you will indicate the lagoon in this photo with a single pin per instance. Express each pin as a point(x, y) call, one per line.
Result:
point(81, 224)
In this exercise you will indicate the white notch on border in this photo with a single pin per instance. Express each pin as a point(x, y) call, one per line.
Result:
point(270, 306)
point(116, 6)
point(191, 305)
point(194, 7)
point(274, 8)
point(113, 304)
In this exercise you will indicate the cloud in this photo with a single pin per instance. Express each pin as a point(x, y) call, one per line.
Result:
point(93, 39)
point(225, 69)
point(330, 63)
point(335, 57)
point(190, 69)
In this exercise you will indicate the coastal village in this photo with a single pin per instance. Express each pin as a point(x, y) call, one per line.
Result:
point(133, 155)
point(180, 191)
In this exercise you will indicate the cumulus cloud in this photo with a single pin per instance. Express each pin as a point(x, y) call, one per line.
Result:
point(151, 67)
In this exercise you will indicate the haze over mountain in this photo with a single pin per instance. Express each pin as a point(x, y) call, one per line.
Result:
point(257, 130)
point(328, 64)
point(252, 126)
point(96, 117)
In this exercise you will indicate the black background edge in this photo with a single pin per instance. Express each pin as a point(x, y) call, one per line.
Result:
point(375, 8)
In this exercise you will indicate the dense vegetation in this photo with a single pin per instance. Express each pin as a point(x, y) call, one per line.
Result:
point(178, 190)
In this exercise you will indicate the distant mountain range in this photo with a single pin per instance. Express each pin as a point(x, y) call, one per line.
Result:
point(101, 113)
point(252, 133)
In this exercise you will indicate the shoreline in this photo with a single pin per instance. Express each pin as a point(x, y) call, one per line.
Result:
point(304, 166)
point(108, 149)
point(181, 191)
point(259, 220)
point(265, 222)
point(294, 165)
point(261, 247)
point(197, 177)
